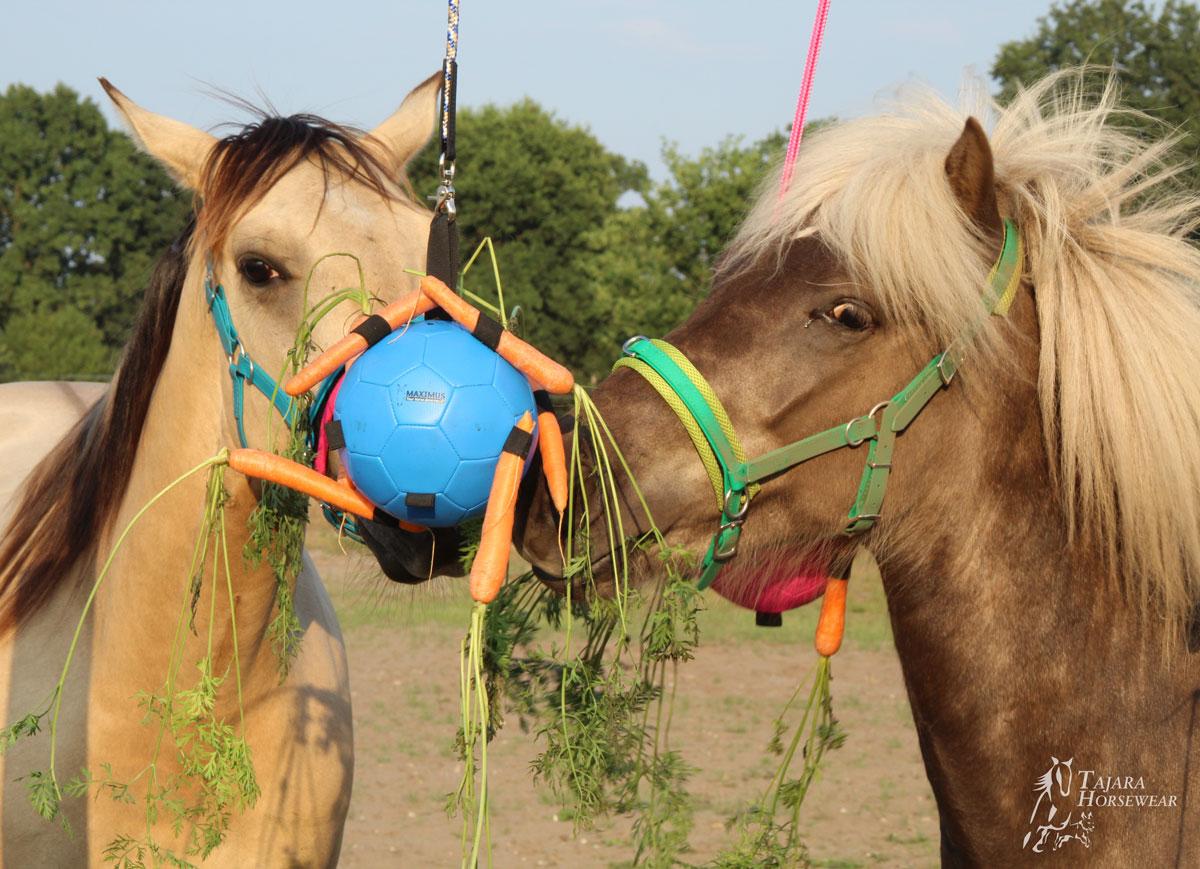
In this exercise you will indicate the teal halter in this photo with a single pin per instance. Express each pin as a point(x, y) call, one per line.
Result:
point(243, 369)
point(737, 479)
point(241, 366)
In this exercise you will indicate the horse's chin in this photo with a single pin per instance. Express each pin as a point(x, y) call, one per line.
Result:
point(774, 588)
point(413, 557)
point(781, 578)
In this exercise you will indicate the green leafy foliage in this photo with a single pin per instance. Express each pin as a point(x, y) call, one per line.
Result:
point(82, 217)
point(536, 185)
point(1154, 46)
point(57, 344)
point(209, 773)
point(650, 264)
point(593, 249)
point(768, 831)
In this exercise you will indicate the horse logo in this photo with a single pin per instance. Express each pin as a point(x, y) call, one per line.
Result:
point(1048, 835)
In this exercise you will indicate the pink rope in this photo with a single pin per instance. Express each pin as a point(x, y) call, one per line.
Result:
point(810, 67)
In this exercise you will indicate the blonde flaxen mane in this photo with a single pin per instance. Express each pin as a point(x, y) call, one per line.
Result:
point(1106, 229)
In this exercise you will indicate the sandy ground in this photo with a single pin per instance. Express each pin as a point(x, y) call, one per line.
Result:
point(872, 807)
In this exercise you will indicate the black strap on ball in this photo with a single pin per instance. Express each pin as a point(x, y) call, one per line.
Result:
point(518, 442)
point(335, 438)
point(542, 399)
point(488, 331)
point(420, 500)
point(441, 256)
point(374, 329)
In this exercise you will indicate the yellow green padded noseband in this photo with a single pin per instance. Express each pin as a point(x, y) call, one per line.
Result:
point(735, 479)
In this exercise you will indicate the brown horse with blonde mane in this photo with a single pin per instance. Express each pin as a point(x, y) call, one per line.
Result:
point(1040, 539)
point(273, 199)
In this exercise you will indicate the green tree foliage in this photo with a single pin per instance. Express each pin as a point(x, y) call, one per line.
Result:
point(59, 344)
point(650, 264)
point(591, 248)
point(82, 217)
point(1155, 47)
point(537, 185)
point(589, 271)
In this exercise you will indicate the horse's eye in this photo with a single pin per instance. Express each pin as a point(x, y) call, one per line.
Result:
point(851, 315)
point(257, 270)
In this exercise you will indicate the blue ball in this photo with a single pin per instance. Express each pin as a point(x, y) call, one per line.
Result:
point(425, 413)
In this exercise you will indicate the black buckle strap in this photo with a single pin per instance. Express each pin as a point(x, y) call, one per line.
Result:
point(518, 442)
point(373, 329)
point(335, 438)
point(487, 331)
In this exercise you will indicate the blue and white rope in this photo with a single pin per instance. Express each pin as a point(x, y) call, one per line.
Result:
point(447, 68)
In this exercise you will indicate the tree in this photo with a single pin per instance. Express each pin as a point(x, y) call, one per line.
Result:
point(1157, 55)
point(651, 264)
point(64, 344)
point(83, 215)
point(537, 186)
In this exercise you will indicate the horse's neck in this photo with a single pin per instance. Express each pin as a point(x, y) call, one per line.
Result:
point(144, 595)
point(1017, 650)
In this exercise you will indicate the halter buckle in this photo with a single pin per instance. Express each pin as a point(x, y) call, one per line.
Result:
point(722, 551)
point(942, 365)
point(850, 530)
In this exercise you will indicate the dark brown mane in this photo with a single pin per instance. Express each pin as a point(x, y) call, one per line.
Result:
point(74, 492)
point(75, 489)
point(244, 166)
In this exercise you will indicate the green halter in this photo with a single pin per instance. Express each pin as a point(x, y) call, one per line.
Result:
point(736, 479)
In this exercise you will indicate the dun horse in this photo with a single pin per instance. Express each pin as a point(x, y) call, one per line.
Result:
point(274, 199)
point(1040, 538)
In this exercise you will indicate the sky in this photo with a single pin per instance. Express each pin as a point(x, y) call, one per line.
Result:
point(636, 72)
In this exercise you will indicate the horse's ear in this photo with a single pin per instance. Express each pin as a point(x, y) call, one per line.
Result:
point(398, 139)
point(972, 177)
point(180, 148)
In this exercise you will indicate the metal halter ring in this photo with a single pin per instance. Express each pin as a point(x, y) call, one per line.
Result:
point(870, 414)
point(740, 516)
point(236, 352)
point(625, 347)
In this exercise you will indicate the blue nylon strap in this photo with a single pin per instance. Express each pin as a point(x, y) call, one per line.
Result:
point(243, 369)
point(241, 366)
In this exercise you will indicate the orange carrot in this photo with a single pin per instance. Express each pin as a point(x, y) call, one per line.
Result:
point(554, 455)
point(277, 469)
point(491, 560)
point(832, 622)
point(397, 314)
point(337, 493)
point(531, 362)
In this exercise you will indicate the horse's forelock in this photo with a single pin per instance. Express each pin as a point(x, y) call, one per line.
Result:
point(243, 167)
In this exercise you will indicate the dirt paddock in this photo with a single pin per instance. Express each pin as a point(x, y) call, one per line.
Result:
point(872, 807)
